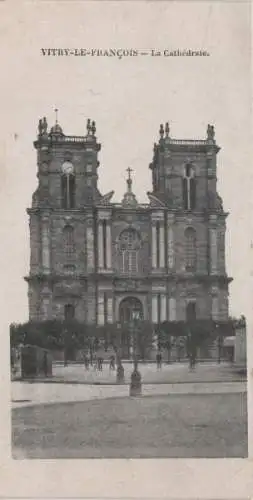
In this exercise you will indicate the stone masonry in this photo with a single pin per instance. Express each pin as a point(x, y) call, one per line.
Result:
point(100, 261)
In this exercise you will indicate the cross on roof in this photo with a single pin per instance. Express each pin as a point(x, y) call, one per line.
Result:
point(129, 170)
point(56, 115)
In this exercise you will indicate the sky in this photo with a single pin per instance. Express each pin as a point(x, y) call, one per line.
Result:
point(128, 98)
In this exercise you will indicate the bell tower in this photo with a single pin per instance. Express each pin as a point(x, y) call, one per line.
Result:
point(67, 167)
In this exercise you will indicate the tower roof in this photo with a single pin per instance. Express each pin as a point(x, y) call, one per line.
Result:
point(56, 129)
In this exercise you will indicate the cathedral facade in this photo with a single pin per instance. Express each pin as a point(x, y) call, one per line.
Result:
point(102, 262)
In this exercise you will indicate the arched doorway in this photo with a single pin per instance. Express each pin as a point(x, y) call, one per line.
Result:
point(130, 309)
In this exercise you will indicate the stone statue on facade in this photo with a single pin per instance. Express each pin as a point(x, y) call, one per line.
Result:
point(210, 132)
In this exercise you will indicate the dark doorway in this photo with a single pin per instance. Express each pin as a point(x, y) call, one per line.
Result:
point(69, 312)
point(191, 312)
point(130, 309)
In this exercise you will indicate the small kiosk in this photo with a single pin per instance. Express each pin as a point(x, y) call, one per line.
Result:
point(35, 362)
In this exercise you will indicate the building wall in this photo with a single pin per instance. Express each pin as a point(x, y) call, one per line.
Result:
point(86, 285)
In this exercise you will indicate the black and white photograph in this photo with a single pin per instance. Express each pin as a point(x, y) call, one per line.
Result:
point(126, 187)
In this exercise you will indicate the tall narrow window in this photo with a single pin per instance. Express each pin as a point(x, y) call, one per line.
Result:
point(191, 311)
point(129, 251)
point(69, 312)
point(190, 249)
point(158, 244)
point(104, 244)
point(105, 309)
point(189, 188)
point(68, 191)
point(68, 243)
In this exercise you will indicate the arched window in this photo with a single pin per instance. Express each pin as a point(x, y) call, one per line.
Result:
point(190, 249)
point(68, 242)
point(129, 251)
point(68, 191)
point(189, 188)
point(69, 312)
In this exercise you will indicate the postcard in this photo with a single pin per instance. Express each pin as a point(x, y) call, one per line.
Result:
point(126, 239)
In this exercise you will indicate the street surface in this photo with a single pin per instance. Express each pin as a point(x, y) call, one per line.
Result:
point(85, 414)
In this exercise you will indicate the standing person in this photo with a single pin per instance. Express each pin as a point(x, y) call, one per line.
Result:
point(86, 362)
point(159, 360)
point(95, 362)
point(192, 351)
point(112, 363)
point(101, 364)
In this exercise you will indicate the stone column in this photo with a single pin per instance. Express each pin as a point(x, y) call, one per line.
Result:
point(45, 245)
point(154, 309)
point(213, 251)
point(215, 304)
point(101, 309)
point(110, 310)
point(45, 304)
point(221, 249)
point(162, 247)
point(163, 308)
point(172, 309)
point(154, 247)
point(90, 245)
point(170, 242)
point(108, 263)
point(101, 263)
point(213, 254)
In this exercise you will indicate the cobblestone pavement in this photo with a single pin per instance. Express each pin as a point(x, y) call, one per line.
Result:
point(203, 426)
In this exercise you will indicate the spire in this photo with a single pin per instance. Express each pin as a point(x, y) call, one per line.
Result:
point(129, 199)
point(56, 116)
point(129, 180)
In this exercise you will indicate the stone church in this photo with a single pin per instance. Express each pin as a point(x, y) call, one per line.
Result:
point(104, 262)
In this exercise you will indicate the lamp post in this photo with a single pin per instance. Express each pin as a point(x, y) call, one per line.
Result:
point(135, 385)
point(120, 375)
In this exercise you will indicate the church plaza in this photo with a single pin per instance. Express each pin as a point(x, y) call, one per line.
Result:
point(180, 414)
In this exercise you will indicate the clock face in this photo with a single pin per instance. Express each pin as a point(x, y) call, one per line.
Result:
point(67, 167)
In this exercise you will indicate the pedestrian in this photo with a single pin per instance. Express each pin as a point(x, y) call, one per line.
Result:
point(86, 362)
point(159, 360)
point(95, 362)
point(112, 363)
point(100, 366)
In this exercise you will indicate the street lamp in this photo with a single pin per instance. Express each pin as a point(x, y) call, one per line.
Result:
point(135, 319)
point(135, 385)
point(120, 369)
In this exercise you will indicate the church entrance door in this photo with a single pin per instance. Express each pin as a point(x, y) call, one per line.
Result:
point(129, 310)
